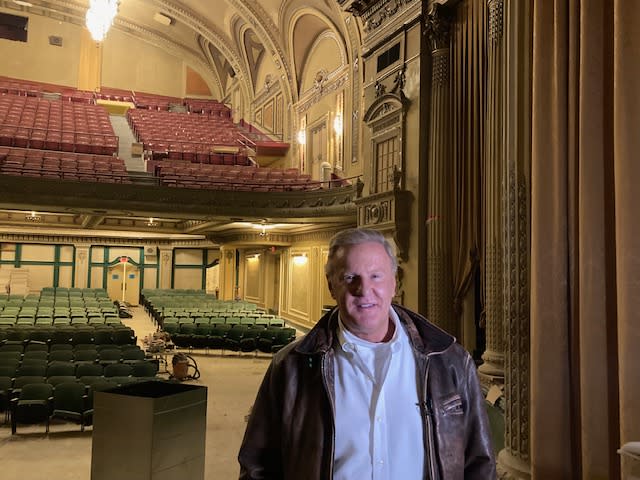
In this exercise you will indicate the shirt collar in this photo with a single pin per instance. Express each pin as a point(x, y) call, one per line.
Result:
point(348, 341)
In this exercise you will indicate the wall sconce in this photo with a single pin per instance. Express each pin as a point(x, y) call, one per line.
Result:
point(302, 137)
point(254, 257)
point(152, 222)
point(337, 124)
point(33, 217)
point(300, 258)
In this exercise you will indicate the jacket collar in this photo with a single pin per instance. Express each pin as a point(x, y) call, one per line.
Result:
point(425, 337)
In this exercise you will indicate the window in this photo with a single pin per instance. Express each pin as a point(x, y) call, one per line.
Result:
point(386, 158)
point(13, 27)
point(388, 57)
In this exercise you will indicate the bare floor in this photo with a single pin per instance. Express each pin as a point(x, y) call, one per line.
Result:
point(65, 453)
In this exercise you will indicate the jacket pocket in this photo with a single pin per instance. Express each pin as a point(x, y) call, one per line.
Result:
point(451, 405)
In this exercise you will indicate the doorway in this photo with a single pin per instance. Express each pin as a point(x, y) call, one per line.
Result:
point(123, 283)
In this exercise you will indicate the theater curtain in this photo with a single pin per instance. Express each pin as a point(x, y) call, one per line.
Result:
point(468, 112)
point(89, 63)
point(585, 252)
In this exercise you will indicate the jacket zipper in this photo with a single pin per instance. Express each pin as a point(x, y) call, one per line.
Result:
point(333, 420)
point(427, 413)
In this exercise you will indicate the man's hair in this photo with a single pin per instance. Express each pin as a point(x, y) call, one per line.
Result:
point(357, 236)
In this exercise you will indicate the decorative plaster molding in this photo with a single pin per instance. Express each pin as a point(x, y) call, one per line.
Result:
point(496, 23)
point(311, 97)
point(98, 240)
point(212, 35)
point(261, 20)
point(383, 12)
point(267, 94)
point(437, 25)
point(388, 212)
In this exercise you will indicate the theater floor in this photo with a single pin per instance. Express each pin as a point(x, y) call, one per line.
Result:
point(65, 454)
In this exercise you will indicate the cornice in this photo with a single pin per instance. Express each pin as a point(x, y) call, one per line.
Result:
point(387, 16)
point(99, 240)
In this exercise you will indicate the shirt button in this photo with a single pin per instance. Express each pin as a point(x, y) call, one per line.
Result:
point(378, 419)
point(381, 462)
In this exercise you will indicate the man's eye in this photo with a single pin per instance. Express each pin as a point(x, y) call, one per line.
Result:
point(348, 278)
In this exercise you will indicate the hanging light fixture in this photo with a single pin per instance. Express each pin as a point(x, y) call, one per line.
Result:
point(100, 17)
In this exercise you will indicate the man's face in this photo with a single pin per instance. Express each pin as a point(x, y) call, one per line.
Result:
point(363, 284)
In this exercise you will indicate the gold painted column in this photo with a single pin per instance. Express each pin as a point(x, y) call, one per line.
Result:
point(492, 370)
point(439, 203)
point(227, 273)
point(514, 460)
point(90, 63)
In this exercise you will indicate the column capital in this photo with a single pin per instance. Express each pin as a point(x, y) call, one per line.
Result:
point(437, 25)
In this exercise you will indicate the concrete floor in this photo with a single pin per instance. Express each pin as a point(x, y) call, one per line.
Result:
point(65, 454)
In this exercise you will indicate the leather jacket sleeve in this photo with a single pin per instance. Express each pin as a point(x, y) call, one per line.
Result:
point(479, 457)
point(461, 439)
point(260, 453)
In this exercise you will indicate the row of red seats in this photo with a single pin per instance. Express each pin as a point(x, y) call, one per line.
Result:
point(142, 100)
point(28, 111)
point(209, 107)
point(67, 166)
point(184, 136)
point(60, 140)
point(233, 171)
point(43, 124)
point(229, 177)
point(199, 180)
point(25, 87)
point(150, 101)
point(202, 155)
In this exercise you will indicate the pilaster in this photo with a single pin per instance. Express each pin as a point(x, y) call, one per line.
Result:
point(439, 275)
point(166, 263)
point(514, 459)
point(227, 273)
point(82, 264)
point(492, 370)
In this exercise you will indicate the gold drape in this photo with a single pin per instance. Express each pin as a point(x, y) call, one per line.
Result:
point(468, 107)
point(585, 253)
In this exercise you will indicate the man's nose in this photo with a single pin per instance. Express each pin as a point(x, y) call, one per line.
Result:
point(359, 286)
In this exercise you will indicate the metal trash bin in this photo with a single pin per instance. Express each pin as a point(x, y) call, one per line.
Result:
point(149, 431)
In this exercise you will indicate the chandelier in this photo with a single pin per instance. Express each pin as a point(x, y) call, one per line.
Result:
point(100, 17)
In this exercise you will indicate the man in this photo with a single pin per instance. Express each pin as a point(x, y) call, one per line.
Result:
point(373, 391)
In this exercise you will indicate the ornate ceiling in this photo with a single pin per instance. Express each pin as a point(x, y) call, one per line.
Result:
point(227, 38)
point(230, 41)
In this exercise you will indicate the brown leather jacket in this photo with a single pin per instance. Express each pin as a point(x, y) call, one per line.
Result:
point(290, 434)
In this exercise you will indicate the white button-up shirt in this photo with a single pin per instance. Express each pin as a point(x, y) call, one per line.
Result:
point(379, 433)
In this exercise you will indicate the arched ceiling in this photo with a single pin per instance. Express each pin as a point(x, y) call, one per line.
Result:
point(212, 35)
point(227, 40)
